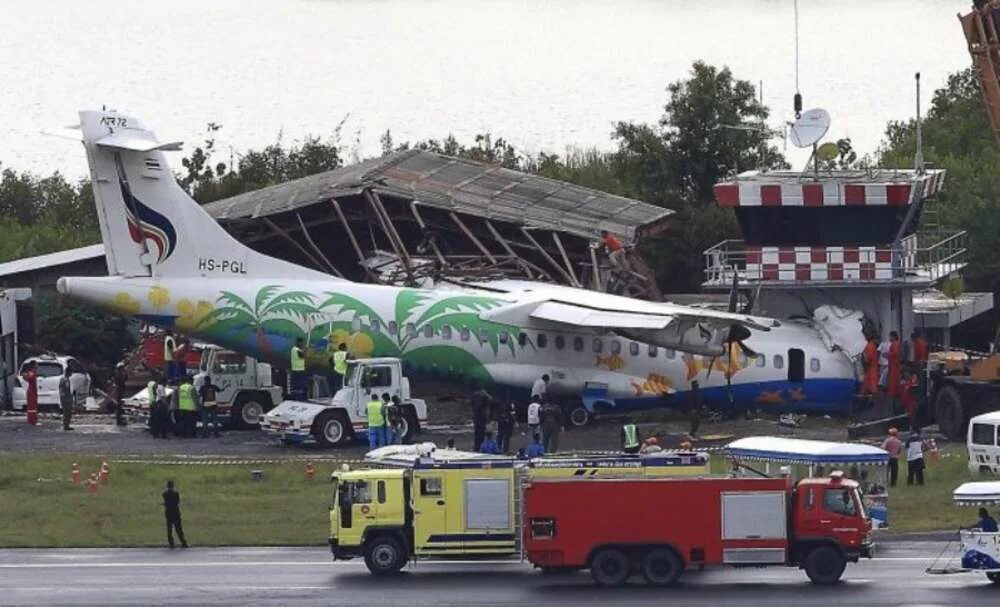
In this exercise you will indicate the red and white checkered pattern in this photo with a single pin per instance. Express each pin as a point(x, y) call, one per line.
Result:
point(758, 192)
point(818, 263)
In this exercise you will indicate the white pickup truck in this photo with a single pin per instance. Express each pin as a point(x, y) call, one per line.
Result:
point(248, 390)
point(342, 418)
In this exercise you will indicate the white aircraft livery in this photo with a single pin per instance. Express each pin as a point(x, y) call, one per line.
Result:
point(171, 264)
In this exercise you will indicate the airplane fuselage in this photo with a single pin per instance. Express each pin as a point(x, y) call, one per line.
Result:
point(439, 333)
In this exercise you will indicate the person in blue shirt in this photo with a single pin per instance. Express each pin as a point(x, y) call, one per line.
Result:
point(986, 522)
point(489, 445)
point(535, 449)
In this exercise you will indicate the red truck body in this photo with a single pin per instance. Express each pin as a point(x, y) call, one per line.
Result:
point(662, 526)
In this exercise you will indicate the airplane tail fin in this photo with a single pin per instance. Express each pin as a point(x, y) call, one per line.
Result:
point(149, 224)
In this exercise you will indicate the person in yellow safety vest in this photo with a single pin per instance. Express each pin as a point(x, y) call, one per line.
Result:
point(187, 408)
point(338, 360)
point(376, 422)
point(630, 438)
point(169, 346)
point(297, 364)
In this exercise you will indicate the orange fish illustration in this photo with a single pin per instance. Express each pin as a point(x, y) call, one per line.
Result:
point(695, 365)
point(732, 363)
point(654, 384)
point(770, 398)
point(612, 361)
point(797, 394)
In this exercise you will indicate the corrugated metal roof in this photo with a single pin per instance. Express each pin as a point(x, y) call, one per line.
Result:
point(51, 260)
point(459, 185)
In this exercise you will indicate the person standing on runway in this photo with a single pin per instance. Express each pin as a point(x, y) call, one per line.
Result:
point(172, 511)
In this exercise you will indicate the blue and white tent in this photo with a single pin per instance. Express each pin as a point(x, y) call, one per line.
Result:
point(780, 450)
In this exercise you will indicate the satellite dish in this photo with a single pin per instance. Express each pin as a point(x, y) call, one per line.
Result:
point(828, 151)
point(810, 128)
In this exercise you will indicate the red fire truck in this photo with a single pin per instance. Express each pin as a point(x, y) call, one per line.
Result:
point(659, 527)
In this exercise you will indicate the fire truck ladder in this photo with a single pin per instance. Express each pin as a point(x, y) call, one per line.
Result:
point(982, 32)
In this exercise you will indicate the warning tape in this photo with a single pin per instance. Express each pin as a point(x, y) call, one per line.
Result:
point(235, 462)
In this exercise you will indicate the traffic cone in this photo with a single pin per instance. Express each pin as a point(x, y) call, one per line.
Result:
point(92, 484)
point(935, 454)
point(104, 473)
point(76, 474)
point(309, 470)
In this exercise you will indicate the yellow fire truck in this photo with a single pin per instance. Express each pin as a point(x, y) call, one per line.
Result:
point(421, 502)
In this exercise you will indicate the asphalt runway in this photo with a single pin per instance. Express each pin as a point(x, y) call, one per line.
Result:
point(306, 576)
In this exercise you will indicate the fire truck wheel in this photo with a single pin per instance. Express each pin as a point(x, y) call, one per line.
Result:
point(384, 556)
point(331, 429)
point(949, 413)
point(662, 567)
point(825, 565)
point(993, 576)
point(610, 567)
point(246, 413)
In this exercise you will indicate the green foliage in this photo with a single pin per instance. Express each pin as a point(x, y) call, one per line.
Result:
point(96, 336)
point(953, 287)
point(957, 137)
point(43, 215)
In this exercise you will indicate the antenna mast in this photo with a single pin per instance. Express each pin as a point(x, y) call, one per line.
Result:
point(918, 160)
point(797, 100)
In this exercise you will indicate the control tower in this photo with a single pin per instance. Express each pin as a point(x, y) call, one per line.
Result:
point(843, 238)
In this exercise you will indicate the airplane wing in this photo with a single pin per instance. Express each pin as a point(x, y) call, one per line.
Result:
point(684, 328)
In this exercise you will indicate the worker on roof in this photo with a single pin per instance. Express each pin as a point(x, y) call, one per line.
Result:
point(630, 437)
point(650, 445)
point(535, 449)
point(986, 522)
point(489, 445)
point(615, 251)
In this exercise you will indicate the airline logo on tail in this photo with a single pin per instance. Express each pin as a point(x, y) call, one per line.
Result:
point(146, 224)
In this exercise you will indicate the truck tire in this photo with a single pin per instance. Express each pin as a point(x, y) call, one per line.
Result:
point(950, 413)
point(384, 555)
point(662, 567)
point(332, 429)
point(411, 426)
point(824, 565)
point(610, 567)
point(247, 412)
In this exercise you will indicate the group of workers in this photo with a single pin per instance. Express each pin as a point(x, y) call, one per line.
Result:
point(181, 411)
point(543, 417)
point(914, 448)
point(386, 424)
point(896, 369)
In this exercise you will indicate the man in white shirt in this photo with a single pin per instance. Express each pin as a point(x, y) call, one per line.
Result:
point(540, 387)
point(534, 414)
point(915, 458)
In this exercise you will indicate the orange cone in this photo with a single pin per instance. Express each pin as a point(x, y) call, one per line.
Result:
point(309, 470)
point(935, 454)
point(104, 473)
point(92, 484)
point(76, 474)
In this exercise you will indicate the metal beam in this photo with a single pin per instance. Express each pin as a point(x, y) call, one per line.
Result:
point(390, 231)
point(546, 255)
point(316, 249)
point(423, 226)
point(458, 221)
point(506, 246)
point(277, 230)
point(354, 241)
point(565, 257)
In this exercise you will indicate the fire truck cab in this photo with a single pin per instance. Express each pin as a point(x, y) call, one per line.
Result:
point(422, 502)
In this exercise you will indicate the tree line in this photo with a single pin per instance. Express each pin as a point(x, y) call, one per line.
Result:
point(671, 163)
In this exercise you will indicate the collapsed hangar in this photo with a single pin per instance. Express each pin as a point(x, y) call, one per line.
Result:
point(417, 218)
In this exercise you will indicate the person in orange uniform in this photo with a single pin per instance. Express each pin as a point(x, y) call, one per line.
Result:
point(921, 351)
point(907, 396)
point(895, 365)
point(870, 385)
point(616, 252)
point(31, 378)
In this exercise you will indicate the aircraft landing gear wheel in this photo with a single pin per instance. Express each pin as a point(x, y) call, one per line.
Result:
point(610, 567)
point(579, 416)
point(384, 556)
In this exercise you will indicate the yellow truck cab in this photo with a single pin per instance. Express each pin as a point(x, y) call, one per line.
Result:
point(421, 502)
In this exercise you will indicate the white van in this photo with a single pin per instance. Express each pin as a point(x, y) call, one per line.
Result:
point(984, 443)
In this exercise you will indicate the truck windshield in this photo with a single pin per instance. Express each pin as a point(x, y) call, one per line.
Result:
point(351, 377)
point(353, 492)
point(844, 501)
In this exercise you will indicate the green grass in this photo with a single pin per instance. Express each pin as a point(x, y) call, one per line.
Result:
point(220, 505)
